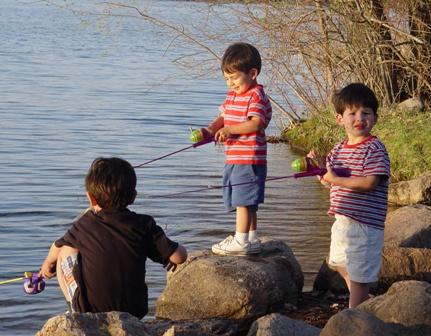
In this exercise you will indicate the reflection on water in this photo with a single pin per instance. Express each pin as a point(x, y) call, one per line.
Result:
point(69, 95)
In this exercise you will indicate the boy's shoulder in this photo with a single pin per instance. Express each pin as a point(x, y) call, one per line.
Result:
point(121, 217)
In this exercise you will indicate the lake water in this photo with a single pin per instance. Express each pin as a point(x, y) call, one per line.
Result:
point(69, 94)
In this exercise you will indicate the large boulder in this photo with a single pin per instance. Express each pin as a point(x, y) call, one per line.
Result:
point(211, 286)
point(397, 264)
point(406, 302)
point(409, 226)
point(281, 325)
point(103, 324)
point(404, 264)
point(411, 192)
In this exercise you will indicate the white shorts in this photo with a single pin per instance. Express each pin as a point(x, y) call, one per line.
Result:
point(357, 247)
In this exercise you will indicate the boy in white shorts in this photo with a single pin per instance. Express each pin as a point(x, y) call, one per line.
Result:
point(359, 201)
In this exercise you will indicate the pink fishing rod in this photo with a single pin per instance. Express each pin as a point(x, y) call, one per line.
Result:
point(197, 144)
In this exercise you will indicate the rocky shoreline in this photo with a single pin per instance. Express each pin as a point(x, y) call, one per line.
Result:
point(262, 295)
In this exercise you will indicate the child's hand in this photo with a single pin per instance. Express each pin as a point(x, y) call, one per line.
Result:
point(223, 134)
point(48, 270)
point(170, 266)
point(320, 161)
point(330, 175)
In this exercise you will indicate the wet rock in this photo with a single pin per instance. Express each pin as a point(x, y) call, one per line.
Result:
point(281, 325)
point(211, 286)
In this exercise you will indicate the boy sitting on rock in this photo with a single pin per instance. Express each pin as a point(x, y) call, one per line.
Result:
point(100, 261)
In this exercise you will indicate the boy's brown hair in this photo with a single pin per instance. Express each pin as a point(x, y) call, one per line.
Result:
point(355, 94)
point(112, 182)
point(241, 57)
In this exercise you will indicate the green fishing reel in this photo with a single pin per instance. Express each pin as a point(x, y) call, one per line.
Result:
point(304, 164)
point(196, 135)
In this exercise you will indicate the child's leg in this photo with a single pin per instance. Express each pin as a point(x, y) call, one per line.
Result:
point(244, 217)
point(67, 259)
point(358, 293)
point(343, 272)
point(252, 234)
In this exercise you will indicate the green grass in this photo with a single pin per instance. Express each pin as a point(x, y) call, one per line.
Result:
point(406, 135)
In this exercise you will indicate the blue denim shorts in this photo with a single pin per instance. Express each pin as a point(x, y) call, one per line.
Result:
point(251, 189)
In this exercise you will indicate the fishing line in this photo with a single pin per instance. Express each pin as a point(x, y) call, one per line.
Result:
point(195, 145)
point(313, 172)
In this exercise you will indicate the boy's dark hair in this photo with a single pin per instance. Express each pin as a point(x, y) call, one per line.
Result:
point(355, 94)
point(112, 182)
point(241, 57)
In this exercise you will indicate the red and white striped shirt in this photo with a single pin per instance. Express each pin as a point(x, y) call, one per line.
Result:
point(363, 159)
point(238, 108)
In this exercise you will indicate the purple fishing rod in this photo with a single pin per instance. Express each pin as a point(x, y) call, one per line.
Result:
point(197, 144)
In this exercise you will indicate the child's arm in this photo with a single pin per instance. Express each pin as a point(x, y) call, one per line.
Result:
point(215, 125)
point(358, 183)
point(48, 268)
point(250, 126)
point(176, 258)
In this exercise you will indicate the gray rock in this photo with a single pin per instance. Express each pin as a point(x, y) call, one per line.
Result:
point(411, 105)
point(354, 322)
point(281, 325)
point(89, 324)
point(208, 327)
point(212, 286)
point(411, 192)
point(406, 302)
point(409, 226)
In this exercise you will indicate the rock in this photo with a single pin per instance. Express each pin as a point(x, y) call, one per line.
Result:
point(406, 302)
point(404, 264)
point(409, 226)
point(76, 324)
point(411, 105)
point(411, 192)
point(281, 325)
point(329, 279)
point(397, 264)
point(354, 322)
point(212, 286)
point(207, 327)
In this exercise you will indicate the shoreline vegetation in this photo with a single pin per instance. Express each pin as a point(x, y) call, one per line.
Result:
point(406, 135)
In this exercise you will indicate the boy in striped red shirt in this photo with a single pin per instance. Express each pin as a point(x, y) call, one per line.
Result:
point(359, 201)
point(241, 125)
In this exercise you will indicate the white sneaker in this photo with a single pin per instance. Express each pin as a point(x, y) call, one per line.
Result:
point(230, 246)
point(255, 246)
